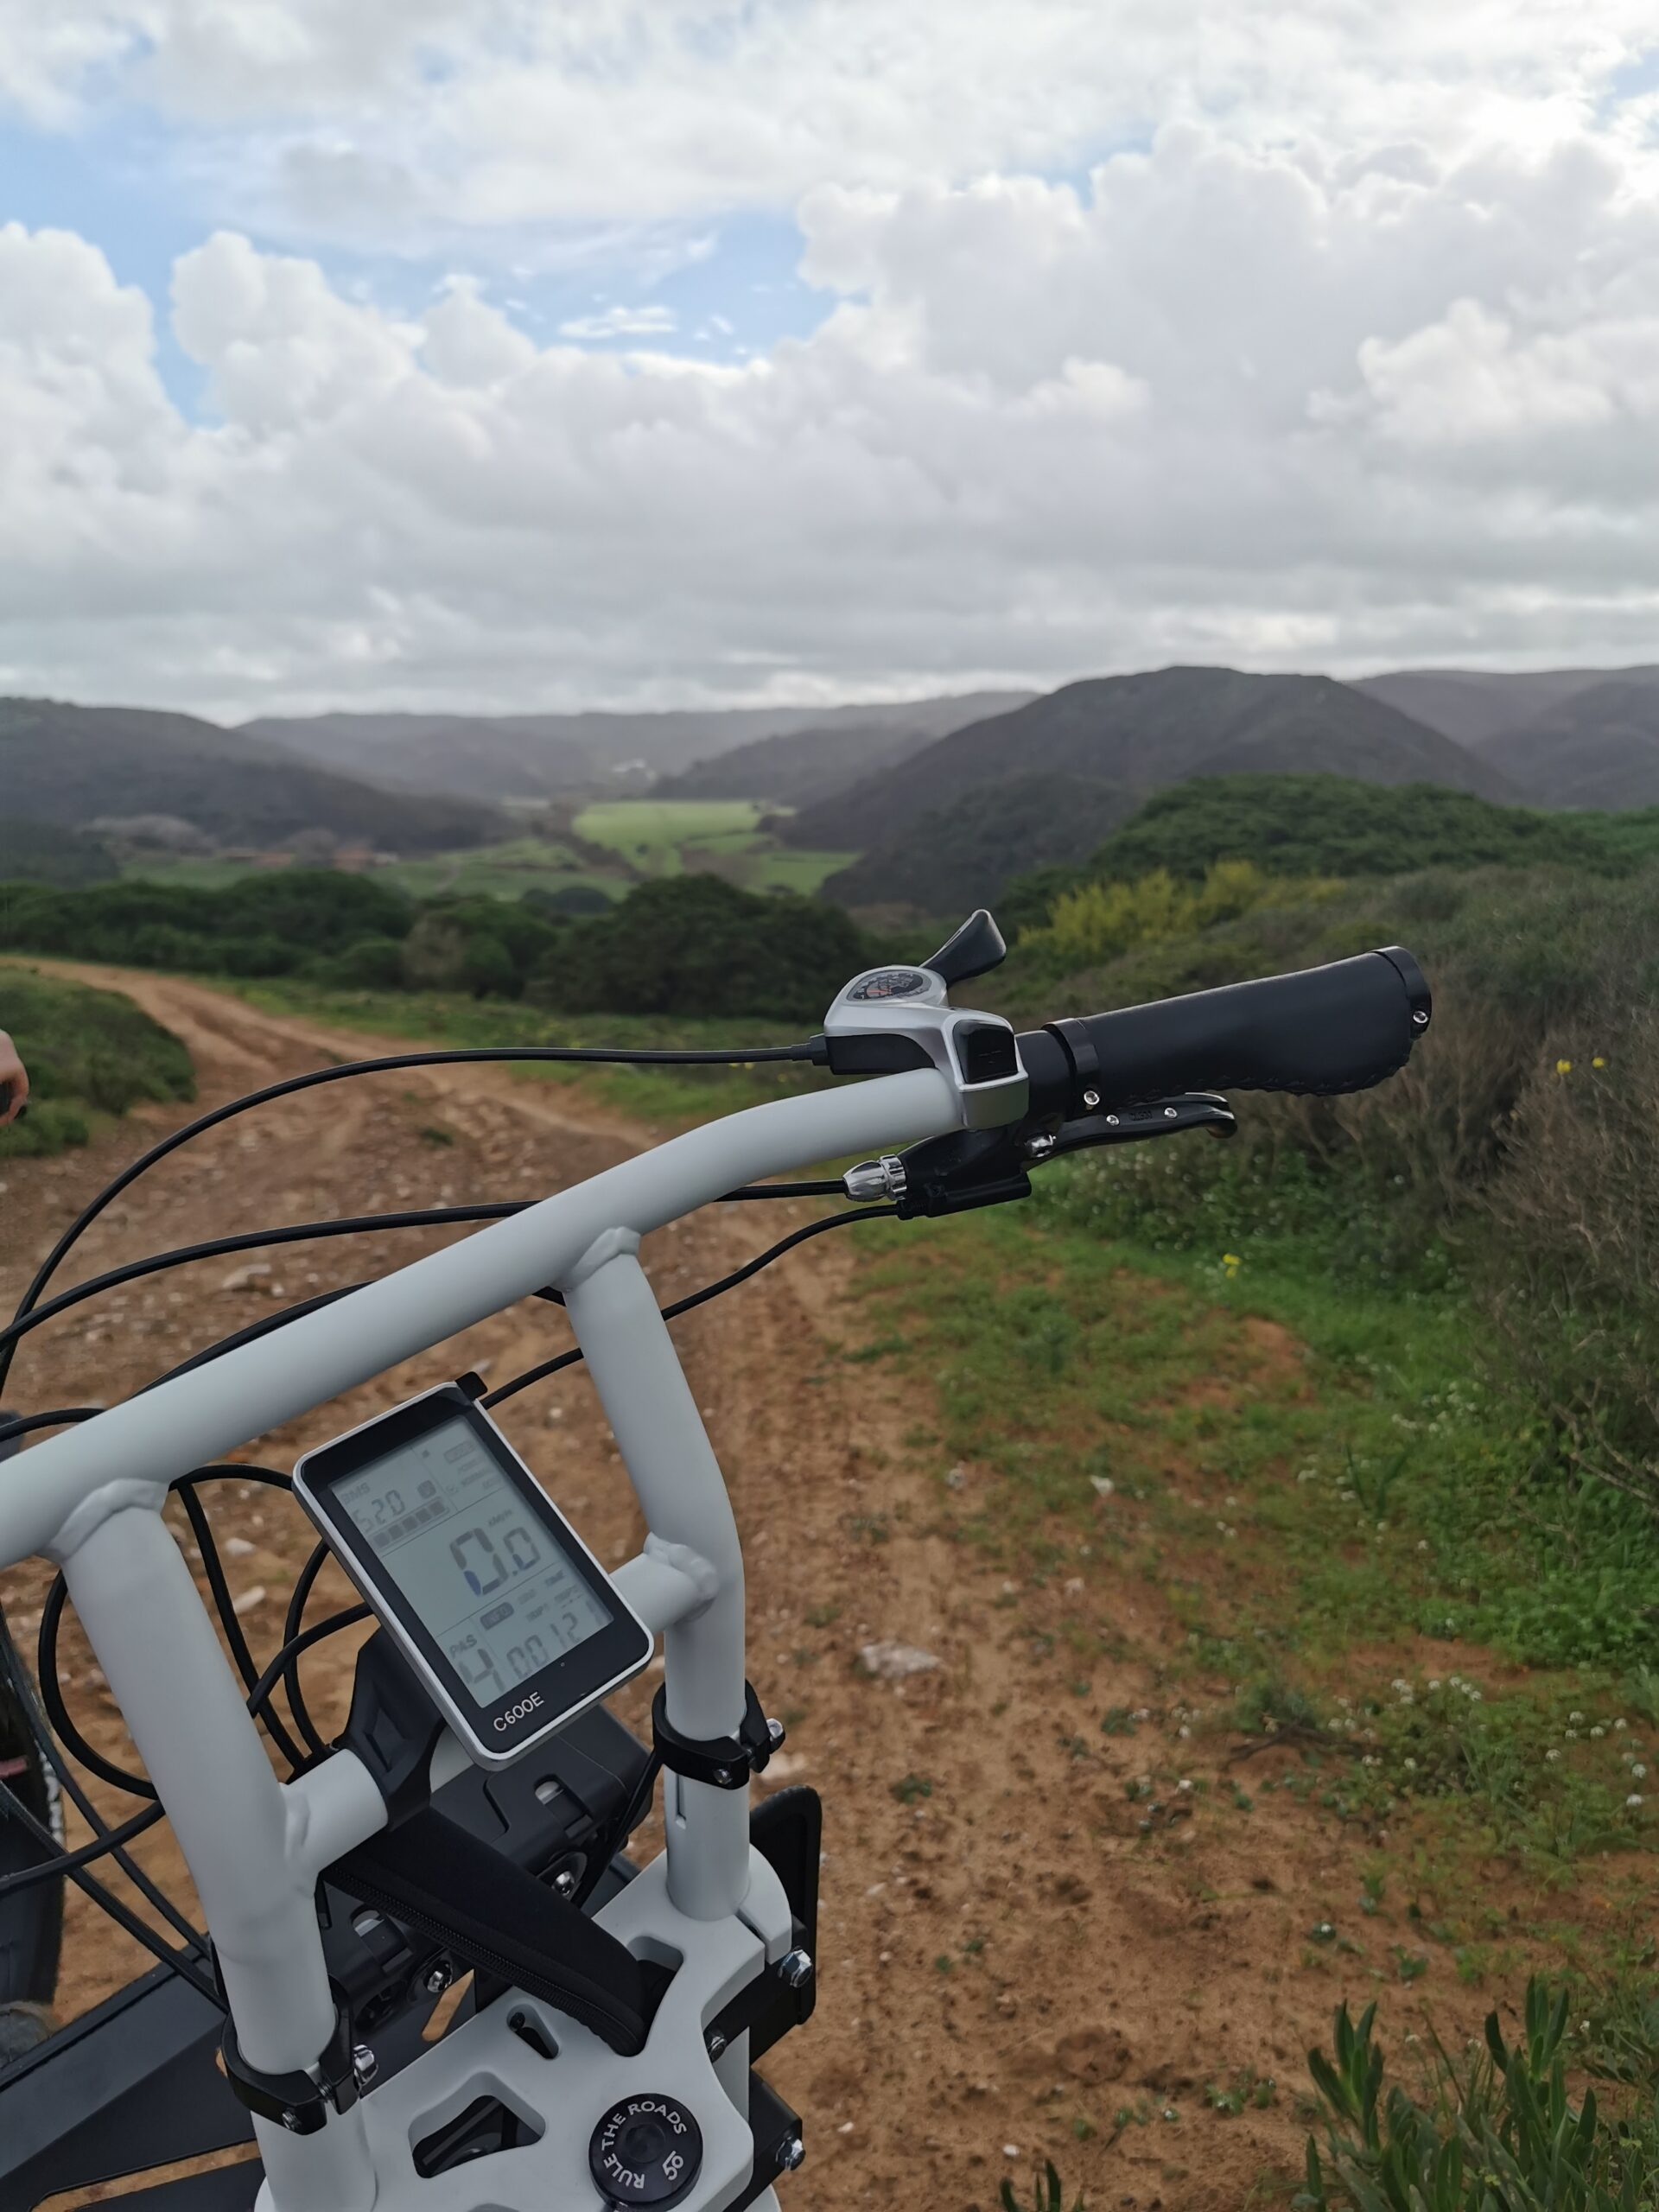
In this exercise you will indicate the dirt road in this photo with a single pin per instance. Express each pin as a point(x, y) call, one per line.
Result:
point(1010, 1964)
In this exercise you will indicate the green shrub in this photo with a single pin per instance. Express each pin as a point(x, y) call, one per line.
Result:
point(84, 1049)
point(372, 963)
point(1500, 2133)
point(694, 943)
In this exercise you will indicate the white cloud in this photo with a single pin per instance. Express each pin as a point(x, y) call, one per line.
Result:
point(652, 322)
point(1349, 360)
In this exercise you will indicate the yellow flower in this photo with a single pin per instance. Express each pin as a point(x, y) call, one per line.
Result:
point(1598, 1062)
point(1563, 1067)
point(1230, 1260)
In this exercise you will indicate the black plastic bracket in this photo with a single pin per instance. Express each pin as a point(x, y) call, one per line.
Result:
point(298, 2101)
point(723, 1762)
point(393, 1727)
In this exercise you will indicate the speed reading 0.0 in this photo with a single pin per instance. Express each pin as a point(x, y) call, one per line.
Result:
point(507, 1617)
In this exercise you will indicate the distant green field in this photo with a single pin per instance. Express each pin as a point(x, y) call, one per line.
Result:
point(665, 836)
point(649, 837)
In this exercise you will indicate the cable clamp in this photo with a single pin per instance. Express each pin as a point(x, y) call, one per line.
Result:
point(723, 1762)
point(299, 2101)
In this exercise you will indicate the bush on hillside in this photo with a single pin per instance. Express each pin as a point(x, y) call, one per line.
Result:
point(1318, 825)
point(261, 925)
point(1096, 921)
point(697, 944)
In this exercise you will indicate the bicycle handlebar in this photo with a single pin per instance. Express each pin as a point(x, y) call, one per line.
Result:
point(1341, 1028)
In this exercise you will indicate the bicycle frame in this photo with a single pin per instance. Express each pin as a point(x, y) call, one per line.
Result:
point(91, 1499)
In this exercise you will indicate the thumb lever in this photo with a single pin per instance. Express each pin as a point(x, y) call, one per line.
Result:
point(973, 949)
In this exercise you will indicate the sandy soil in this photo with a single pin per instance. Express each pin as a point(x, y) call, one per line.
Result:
point(1008, 1959)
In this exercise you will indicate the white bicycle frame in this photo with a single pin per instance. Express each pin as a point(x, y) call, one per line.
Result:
point(91, 1499)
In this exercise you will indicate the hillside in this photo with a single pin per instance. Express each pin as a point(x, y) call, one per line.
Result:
point(1471, 705)
point(959, 855)
point(542, 756)
point(1323, 826)
point(1148, 730)
point(45, 852)
point(1599, 747)
point(68, 765)
point(800, 767)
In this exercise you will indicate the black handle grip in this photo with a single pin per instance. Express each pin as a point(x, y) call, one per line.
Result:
point(1341, 1028)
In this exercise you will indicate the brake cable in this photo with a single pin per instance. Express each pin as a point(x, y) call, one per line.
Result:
point(814, 1052)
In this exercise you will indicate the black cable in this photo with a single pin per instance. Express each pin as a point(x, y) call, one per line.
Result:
point(213, 1567)
point(290, 1651)
point(304, 1582)
point(152, 1891)
point(262, 1327)
point(66, 1863)
point(509, 1389)
point(831, 1187)
point(53, 1869)
point(220, 1247)
point(815, 1052)
point(17, 1425)
point(51, 1618)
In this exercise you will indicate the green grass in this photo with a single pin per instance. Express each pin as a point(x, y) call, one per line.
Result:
point(89, 1054)
point(649, 836)
point(1332, 1517)
point(664, 836)
point(653, 834)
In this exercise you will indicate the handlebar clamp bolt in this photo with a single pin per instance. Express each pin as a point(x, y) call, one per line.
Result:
point(790, 2152)
point(565, 1882)
point(439, 1979)
point(716, 2043)
point(775, 1730)
point(1038, 1147)
point(364, 2066)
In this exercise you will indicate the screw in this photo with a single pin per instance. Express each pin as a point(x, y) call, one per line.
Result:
point(1171, 1114)
point(795, 1967)
point(789, 2153)
point(775, 1730)
point(1038, 1147)
point(723, 1777)
point(365, 2065)
point(1111, 1121)
point(716, 2043)
point(1421, 1020)
point(439, 1979)
point(291, 2122)
point(1091, 1099)
point(565, 1881)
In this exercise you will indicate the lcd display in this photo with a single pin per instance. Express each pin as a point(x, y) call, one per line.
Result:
point(485, 1578)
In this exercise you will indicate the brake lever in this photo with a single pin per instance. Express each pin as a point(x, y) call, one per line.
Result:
point(1154, 1118)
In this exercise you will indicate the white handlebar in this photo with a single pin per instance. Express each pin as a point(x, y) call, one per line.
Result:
point(53, 1497)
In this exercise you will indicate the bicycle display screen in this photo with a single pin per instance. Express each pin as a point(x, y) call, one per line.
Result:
point(511, 1622)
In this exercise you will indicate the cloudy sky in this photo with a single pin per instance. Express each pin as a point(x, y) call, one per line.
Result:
point(559, 353)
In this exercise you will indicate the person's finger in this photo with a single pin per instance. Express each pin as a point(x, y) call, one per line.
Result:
point(13, 1082)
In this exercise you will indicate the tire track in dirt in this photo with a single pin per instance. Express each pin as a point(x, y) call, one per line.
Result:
point(1007, 1960)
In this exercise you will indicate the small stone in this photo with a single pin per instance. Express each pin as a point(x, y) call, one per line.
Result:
point(250, 1278)
point(956, 1477)
point(250, 1600)
point(1103, 1485)
point(236, 1547)
point(894, 1662)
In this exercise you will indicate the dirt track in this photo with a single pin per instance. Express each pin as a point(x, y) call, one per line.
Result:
point(1007, 1961)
